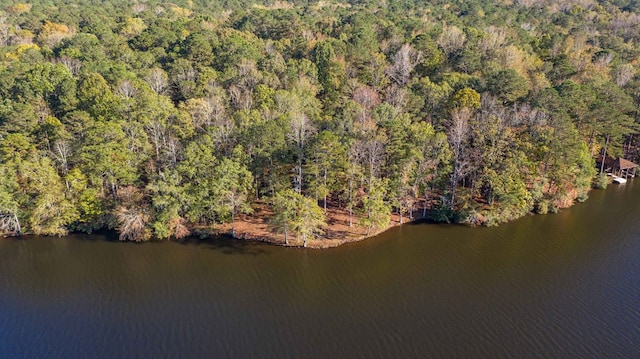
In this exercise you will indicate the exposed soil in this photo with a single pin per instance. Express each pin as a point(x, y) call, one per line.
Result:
point(255, 227)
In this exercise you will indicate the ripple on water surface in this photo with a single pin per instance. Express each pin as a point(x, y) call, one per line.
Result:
point(562, 285)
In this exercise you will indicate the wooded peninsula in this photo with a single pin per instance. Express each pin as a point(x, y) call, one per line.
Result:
point(305, 122)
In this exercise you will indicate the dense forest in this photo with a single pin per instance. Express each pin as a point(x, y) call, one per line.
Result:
point(164, 119)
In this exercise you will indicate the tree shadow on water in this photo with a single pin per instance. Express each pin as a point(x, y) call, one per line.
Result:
point(227, 245)
point(224, 244)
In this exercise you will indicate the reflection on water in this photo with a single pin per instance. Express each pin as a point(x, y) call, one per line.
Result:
point(562, 285)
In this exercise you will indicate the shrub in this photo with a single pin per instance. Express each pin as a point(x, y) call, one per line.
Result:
point(600, 181)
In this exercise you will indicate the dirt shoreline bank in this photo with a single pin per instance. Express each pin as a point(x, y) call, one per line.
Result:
point(255, 227)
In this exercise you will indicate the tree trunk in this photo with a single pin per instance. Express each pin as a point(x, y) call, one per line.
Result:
point(350, 202)
point(324, 204)
point(426, 201)
point(453, 191)
point(325, 196)
point(604, 154)
point(233, 223)
point(257, 190)
point(10, 224)
point(297, 186)
point(270, 169)
point(16, 223)
point(455, 177)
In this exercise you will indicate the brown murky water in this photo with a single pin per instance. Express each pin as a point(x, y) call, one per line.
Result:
point(558, 286)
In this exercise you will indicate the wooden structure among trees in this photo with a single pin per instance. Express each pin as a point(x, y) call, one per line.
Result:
point(620, 167)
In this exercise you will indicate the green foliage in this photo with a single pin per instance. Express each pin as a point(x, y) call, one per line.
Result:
point(50, 212)
point(87, 200)
point(296, 214)
point(95, 97)
point(466, 97)
point(442, 213)
point(197, 48)
point(330, 74)
point(375, 211)
point(234, 185)
point(601, 181)
point(326, 165)
point(168, 201)
point(105, 158)
point(10, 215)
point(507, 85)
point(51, 83)
point(157, 119)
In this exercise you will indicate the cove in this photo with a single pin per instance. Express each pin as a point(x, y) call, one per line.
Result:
point(562, 285)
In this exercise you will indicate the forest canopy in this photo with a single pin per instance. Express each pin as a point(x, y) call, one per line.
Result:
point(164, 119)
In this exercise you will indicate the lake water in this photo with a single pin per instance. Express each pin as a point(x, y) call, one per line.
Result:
point(564, 285)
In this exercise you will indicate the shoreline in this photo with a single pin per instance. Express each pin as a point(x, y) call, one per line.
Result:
point(255, 228)
point(338, 231)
